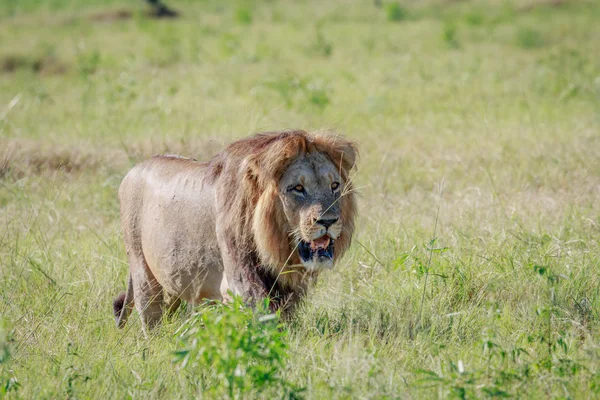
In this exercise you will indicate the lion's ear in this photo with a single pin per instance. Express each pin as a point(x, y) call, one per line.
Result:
point(342, 152)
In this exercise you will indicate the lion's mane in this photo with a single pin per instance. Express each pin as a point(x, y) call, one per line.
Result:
point(249, 171)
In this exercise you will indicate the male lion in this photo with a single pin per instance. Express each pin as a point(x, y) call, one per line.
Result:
point(261, 219)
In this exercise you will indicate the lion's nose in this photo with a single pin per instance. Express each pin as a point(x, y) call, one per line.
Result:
point(327, 222)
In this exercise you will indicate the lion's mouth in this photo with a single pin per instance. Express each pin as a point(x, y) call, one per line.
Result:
point(318, 249)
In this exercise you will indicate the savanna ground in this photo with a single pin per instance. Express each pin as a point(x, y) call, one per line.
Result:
point(474, 272)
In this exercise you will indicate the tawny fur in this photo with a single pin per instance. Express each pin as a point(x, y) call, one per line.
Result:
point(249, 240)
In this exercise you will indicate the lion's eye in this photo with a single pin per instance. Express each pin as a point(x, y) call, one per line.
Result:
point(335, 185)
point(299, 188)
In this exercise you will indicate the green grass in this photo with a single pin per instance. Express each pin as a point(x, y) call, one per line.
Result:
point(475, 269)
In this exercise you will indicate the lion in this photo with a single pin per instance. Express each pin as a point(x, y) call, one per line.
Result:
point(260, 220)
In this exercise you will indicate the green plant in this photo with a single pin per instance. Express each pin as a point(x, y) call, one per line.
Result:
point(449, 35)
point(395, 12)
point(474, 18)
point(235, 350)
point(243, 15)
point(73, 374)
point(316, 91)
point(8, 383)
point(529, 38)
point(549, 312)
point(88, 62)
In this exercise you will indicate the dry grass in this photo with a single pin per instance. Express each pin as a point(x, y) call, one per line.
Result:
point(26, 157)
point(44, 65)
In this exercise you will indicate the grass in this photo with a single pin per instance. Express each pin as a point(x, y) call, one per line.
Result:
point(487, 112)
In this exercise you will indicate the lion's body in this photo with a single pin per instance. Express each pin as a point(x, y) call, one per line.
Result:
point(176, 220)
point(195, 230)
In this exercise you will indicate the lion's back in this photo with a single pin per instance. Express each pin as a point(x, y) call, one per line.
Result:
point(161, 183)
point(156, 169)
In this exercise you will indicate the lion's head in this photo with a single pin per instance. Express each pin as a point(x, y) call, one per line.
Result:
point(295, 198)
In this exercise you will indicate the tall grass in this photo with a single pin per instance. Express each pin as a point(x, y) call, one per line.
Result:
point(489, 290)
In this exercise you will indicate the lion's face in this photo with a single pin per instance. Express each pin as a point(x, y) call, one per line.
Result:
point(311, 191)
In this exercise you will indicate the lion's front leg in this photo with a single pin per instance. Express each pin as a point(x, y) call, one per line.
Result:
point(242, 279)
point(241, 272)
